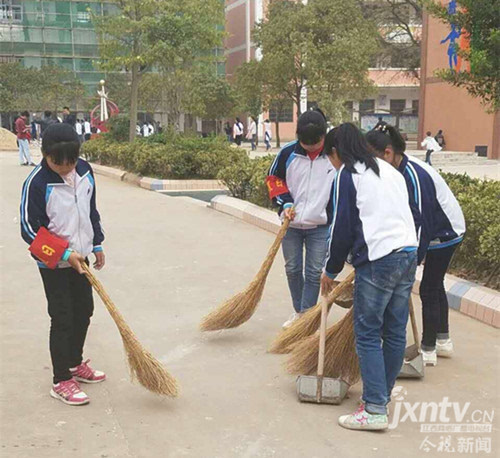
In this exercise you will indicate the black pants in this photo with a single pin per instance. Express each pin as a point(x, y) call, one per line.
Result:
point(433, 296)
point(70, 306)
point(238, 139)
point(428, 156)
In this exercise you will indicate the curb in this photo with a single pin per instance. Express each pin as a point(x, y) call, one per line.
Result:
point(154, 184)
point(468, 298)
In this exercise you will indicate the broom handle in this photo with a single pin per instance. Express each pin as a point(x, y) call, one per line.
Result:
point(266, 265)
point(413, 323)
point(113, 311)
point(340, 288)
point(322, 336)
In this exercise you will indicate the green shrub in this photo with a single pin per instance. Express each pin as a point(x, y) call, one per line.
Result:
point(119, 128)
point(478, 257)
point(166, 156)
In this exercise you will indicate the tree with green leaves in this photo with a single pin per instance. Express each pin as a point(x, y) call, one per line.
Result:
point(210, 96)
point(248, 85)
point(479, 21)
point(157, 34)
point(324, 46)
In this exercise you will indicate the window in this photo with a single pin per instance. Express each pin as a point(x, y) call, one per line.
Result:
point(397, 105)
point(367, 106)
point(414, 107)
point(286, 114)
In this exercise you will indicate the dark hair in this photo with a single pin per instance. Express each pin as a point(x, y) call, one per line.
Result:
point(47, 113)
point(440, 131)
point(311, 127)
point(60, 142)
point(351, 146)
point(66, 108)
point(25, 113)
point(428, 133)
point(238, 120)
point(387, 136)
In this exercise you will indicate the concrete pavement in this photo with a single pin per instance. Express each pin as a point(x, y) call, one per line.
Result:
point(168, 263)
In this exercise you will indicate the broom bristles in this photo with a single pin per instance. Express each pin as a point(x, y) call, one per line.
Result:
point(238, 309)
point(144, 367)
point(308, 324)
point(341, 360)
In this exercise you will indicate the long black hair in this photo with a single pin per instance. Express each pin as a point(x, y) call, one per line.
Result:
point(351, 147)
point(386, 136)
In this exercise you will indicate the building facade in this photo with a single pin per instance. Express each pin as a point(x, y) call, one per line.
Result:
point(466, 124)
point(396, 98)
point(59, 33)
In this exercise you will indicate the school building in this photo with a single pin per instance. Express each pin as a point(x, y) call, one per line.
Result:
point(396, 99)
point(466, 124)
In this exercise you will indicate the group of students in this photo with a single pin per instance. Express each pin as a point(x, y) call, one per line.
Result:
point(235, 133)
point(349, 197)
point(361, 199)
point(147, 129)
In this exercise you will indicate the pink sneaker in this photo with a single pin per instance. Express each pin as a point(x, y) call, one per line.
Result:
point(84, 373)
point(69, 392)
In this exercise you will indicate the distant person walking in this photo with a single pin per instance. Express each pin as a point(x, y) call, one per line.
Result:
point(252, 133)
point(228, 131)
point(431, 145)
point(34, 131)
point(238, 131)
point(87, 131)
point(440, 139)
point(22, 132)
point(145, 130)
point(79, 130)
point(268, 134)
point(46, 121)
point(380, 124)
point(69, 118)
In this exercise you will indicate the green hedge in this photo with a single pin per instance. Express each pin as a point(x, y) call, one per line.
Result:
point(478, 258)
point(166, 156)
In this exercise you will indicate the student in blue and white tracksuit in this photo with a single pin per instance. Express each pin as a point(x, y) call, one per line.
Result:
point(299, 183)
point(443, 229)
point(373, 222)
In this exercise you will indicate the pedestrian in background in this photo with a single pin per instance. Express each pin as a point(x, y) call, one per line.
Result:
point(238, 131)
point(228, 131)
point(87, 131)
point(431, 145)
point(22, 133)
point(79, 130)
point(440, 139)
point(252, 133)
point(268, 134)
point(69, 118)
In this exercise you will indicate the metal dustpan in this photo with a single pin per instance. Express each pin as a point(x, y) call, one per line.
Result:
point(317, 388)
point(413, 365)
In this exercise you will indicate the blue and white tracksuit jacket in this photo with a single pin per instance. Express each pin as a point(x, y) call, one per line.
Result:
point(443, 222)
point(371, 217)
point(69, 212)
point(296, 180)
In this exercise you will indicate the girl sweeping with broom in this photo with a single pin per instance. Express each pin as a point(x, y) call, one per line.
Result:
point(443, 228)
point(372, 220)
point(60, 222)
point(299, 183)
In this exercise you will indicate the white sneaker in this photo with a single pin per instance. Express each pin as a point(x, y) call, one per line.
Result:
point(293, 317)
point(444, 348)
point(429, 357)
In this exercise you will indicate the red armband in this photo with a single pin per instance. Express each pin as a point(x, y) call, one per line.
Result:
point(276, 186)
point(48, 248)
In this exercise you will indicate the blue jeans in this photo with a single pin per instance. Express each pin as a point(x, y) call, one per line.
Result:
point(24, 151)
point(304, 283)
point(381, 293)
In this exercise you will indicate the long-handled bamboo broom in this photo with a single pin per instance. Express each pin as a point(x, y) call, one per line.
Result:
point(241, 307)
point(143, 365)
point(309, 323)
point(341, 360)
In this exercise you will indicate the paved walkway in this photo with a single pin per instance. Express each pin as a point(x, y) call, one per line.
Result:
point(169, 263)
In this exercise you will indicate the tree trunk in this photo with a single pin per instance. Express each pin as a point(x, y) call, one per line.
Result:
point(134, 90)
point(278, 144)
point(298, 91)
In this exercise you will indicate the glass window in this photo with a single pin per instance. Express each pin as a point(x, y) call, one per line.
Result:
point(63, 62)
point(27, 34)
point(108, 9)
point(84, 37)
point(414, 107)
point(57, 36)
point(367, 106)
point(397, 105)
point(32, 61)
point(286, 114)
point(86, 50)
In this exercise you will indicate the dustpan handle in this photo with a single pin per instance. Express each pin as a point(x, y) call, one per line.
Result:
point(413, 323)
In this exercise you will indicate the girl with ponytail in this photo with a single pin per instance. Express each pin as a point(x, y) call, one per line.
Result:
point(372, 221)
point(442, 230)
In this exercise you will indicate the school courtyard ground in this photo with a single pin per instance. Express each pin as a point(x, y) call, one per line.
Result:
point(169, 261)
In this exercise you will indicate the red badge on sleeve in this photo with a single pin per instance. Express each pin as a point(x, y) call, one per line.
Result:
point(48, 248)
point(276, 186)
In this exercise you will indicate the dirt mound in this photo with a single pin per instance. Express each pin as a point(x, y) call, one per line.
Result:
point(7, 140)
